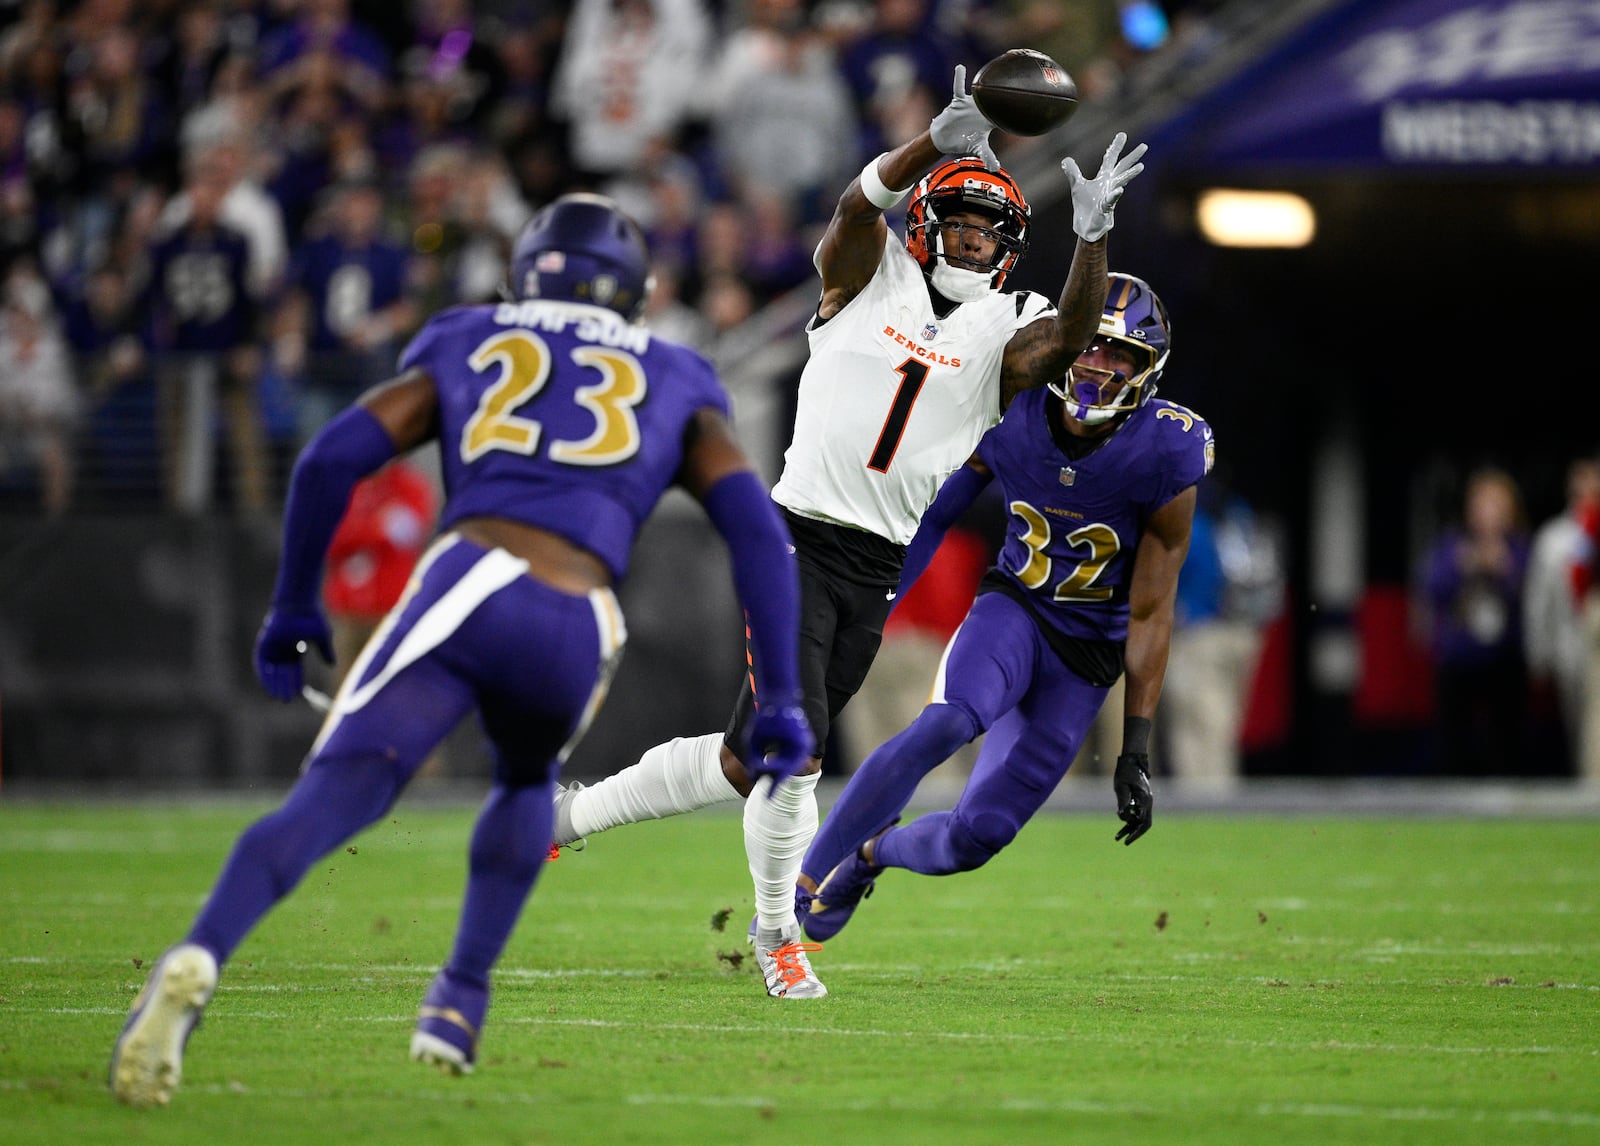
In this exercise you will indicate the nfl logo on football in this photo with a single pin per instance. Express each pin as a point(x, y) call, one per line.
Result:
point(1068, 475)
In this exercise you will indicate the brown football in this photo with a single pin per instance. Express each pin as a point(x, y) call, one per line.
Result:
point(1024, 92)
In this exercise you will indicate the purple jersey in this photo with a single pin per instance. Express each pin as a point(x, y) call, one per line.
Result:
point(346, 286)
point(1075, 525)
point(560, 415)
point(198, 293)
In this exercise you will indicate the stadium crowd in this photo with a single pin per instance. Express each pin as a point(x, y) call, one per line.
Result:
point(221, 219)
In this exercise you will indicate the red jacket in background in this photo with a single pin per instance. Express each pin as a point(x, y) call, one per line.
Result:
point(1583, 568)
point(385, 530)
point(938, 602)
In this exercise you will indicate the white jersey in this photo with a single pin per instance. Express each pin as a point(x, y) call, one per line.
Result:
point(894, 399)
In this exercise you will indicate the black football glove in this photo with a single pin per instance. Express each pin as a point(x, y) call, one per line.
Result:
point(1135, 801)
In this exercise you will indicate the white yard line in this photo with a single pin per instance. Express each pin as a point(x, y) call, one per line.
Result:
point(1091, 1037)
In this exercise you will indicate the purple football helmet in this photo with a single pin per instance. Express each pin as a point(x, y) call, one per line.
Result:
point(582, 248)
point(1134, 319)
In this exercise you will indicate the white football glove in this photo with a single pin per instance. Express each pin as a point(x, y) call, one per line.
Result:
point(961, 129)
point(1095, 200)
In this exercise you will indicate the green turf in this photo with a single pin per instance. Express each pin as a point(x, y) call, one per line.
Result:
point(1226, 980)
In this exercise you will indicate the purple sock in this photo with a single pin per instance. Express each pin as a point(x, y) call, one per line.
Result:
point(885, 783)
point(509, 847)
point(332, 802)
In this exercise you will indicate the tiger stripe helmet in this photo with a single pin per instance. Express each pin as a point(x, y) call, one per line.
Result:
point(966, 184)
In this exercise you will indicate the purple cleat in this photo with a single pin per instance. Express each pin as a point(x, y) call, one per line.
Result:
point(449, 1022)
point(837, 897)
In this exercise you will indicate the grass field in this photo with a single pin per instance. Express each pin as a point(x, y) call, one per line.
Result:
point(1227, 980)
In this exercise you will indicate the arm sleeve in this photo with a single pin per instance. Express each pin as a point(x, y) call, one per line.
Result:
point(344, 451)
point(765, 576)
point(958, 493)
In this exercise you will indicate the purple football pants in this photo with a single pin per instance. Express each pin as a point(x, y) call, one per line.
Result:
point(473, 631)
point(999, 676)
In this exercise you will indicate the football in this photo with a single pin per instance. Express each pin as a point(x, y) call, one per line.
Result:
point(1024, 92)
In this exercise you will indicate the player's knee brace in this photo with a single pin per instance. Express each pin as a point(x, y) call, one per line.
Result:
point(974, 843)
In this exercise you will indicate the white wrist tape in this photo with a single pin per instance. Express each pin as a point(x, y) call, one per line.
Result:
point(877, 193)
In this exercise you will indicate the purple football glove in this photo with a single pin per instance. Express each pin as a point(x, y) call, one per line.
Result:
point(780, 742)
point(286, 634)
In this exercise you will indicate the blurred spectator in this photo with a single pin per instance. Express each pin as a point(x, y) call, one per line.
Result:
point(120, 455)
point(667, 315)
point(1584, 572)
point(527, 50)
point(628, 78)
point(436, 232)
point(202, 317)
point(672, 225)
point(19, 230)
point(1216, 640)
point(126, 127)
point(323, 33)
point(451, 56)
point(1554, 635)
point(383, 533)
point(187, 62)
point(902, 56)
point(38, 401)
point(221, 156)
point(790, 130)
point(346, 309)
point(310, 123)
point(101, 325)
point(1473, 582)
point(752, 47)
point(776, 258)
point(726, 300)
point(721, 242)
point(492, 213)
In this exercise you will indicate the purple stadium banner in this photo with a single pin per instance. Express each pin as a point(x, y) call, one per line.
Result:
point(1407, 84)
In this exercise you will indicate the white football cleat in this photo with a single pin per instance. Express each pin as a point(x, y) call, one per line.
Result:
point(563, 836)
point(782, 958)
point(434, 1051)
point(147, 1063)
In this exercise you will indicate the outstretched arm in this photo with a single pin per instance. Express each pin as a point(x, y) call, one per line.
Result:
point(850, 249)
point(720, 476)
point(388, 420)
point(1151, 599)
point(1042, 350)
point(956, 495)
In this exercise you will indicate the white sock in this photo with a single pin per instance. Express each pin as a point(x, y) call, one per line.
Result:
point(777, 833)
point(679, 776)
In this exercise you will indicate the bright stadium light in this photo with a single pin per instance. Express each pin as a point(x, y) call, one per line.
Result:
point(1230, 218)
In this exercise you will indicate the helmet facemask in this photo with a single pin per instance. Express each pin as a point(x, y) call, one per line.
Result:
point(958, 186)
point(960, 279)
point(1094, 395)
point(1135, 321)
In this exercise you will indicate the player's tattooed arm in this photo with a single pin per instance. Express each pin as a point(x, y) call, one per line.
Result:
point(1041, 351)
